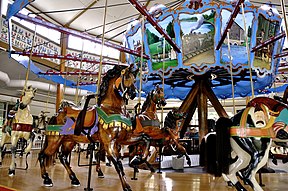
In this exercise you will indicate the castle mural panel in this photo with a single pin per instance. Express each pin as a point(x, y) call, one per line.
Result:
point(197, 34)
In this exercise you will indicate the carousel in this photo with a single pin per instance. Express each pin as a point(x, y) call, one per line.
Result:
point(199, 52)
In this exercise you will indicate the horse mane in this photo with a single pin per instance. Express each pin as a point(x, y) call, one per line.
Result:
point(147, 101)
point(112, 73)
point(53, 120)
point(237, 118)
point(67, 103)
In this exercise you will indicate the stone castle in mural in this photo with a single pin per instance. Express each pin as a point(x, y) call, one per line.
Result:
point(196, 43)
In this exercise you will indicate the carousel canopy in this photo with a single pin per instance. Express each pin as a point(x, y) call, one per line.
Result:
point(198, 27)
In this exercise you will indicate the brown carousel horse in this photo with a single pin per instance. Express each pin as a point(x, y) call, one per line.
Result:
point(109, 123)
point(147, 122)
point(249, 135)
point(19, 126)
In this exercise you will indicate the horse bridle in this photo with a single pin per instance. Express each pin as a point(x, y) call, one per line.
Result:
point(22, 105)
point(125, 90)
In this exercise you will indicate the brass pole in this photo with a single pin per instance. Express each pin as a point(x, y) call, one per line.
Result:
point(101, 55)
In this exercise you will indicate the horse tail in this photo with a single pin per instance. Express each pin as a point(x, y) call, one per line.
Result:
point(223, 146)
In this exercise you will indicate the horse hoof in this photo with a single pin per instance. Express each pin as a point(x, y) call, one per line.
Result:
point(100, 175)
point(127, 189)
point(230, 184)
point(11, 172)
point(47, 182)
point(239, 187)
point(108, 164)
point(48, 185)
point(75, 183)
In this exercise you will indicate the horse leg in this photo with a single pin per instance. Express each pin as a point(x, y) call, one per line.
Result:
point(151, 168)
point(97, 156)
point(226, 179)
point(180, 147)
point(29, 137)
point(117, 149)
point(183, 152)
point(112, 156)
point(136, 160)
point(63, 156)
point(255, 185)
point(14, 141)
point(3, 139)
point(241, 162)
point(45, 157)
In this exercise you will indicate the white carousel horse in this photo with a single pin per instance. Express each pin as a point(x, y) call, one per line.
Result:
point(250, 137)
point(20, 127)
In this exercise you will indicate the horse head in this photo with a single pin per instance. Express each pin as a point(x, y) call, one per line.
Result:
point(157, 97)
point(42, 120)
point(27, 96)
point(127, 81)
point(259, 115)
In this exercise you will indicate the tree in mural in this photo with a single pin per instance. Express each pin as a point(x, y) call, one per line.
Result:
point(170, 30)
point(152, 38)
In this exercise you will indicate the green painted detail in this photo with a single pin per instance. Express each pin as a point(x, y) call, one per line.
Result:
point(114, 117)
point(54, 128)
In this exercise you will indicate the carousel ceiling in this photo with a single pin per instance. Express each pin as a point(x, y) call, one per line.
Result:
point(87, 16)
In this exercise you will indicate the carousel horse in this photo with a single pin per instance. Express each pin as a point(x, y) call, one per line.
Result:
point(109, 123)
point(244, 141)
point(42, 122)
point(67, 114)
point(147, 122)
point(19, 126)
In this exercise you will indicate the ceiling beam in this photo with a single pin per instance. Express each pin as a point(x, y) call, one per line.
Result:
point(80, 35)
point(80, 13)
point(112, 22)
point(46, 17)
point(67, 57)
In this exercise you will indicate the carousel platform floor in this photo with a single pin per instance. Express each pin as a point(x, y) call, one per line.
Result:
point(189, 179)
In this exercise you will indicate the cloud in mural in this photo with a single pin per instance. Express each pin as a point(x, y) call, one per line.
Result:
point(163, 24)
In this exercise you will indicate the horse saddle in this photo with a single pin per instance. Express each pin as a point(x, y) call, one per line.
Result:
point(22, 127)
point(85, 120)
point(153, 123)
point(90, 118)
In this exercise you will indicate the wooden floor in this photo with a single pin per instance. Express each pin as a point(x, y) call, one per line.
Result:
point(31, 180)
